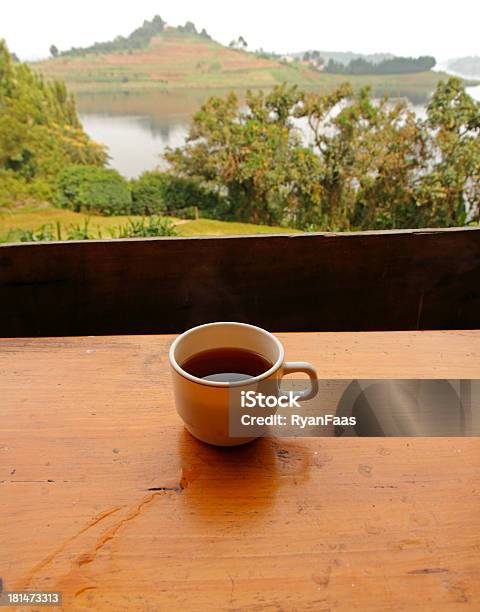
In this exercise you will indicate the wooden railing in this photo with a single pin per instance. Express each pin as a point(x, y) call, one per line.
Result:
point(414, 279)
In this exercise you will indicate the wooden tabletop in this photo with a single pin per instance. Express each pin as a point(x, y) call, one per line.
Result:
point(105, 497)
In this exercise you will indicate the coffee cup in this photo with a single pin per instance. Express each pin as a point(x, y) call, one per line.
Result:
point(203, 401)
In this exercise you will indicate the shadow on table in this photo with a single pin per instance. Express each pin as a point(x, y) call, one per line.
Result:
point(241, 481)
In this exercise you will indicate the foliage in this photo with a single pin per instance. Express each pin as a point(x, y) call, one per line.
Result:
point(135, 228)
point(157, 192)
point(189, 28)
point(40, 132)
point(314, 57)
point(89, 188)
point(44, 233)
point(450, 186)
point(16, 190)
point(240, 43)
point(367, 165)
point(79, 232)
point(395, 65)
point(345, 57)
point(138, 39)
point(268, 55)
point(256, 156)
point(145, 228)
point(148, 194)
point(100, 227)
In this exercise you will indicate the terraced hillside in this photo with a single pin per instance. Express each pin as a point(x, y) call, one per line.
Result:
point(174, 60)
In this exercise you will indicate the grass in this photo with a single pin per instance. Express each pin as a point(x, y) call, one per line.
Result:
point(211, 227)
point(30, 218)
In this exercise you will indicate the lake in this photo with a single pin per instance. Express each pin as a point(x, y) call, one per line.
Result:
point(137, 127)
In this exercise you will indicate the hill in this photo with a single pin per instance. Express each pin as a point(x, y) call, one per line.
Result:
point(171, 58)
point(345, 57)
point(397, 65)
point(158, 57)
point(465, 66)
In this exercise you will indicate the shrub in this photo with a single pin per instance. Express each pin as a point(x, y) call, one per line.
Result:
point(145, 228)
point(93, 189)
point(80, 232)
point(45, 232)
point(159, 192)
point(135, 228)
point(15, 190)
point(148, 194)
point(187, 213)
point(181, 192)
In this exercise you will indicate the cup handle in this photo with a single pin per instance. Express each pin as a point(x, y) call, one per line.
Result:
point(306, 368)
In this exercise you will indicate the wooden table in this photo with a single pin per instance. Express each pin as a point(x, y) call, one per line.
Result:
point(105, 497)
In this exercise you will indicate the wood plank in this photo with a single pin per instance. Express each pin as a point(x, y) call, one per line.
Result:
point(88, 428)
point(415, 279)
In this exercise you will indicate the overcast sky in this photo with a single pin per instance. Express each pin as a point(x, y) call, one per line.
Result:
point(408, 27)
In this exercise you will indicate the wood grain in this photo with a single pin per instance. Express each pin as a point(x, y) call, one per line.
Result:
point(411, 279)
point(105, 497)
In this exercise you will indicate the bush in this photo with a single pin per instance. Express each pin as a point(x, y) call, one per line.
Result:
point(148, 194)
point(135, 228)
point(15, 190)
point(159, 192)
point(187, 213)
point(145, 228)
point(44, 233)
point(80, 232)
point(181, 192)
point(93, 189)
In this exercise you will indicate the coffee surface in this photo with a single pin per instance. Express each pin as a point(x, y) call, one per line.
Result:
point(226, 364)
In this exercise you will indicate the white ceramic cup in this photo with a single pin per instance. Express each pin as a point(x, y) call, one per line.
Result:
point(202, 404)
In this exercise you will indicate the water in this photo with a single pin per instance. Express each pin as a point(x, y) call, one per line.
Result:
point(134, 144)
point(138, 127)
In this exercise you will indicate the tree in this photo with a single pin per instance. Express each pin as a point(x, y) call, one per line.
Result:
point(255, 155)
point(138, 39)
point(314, 58)
point(53, 51)
point(395, 65)
point(451, 187)
point(317, 58)
point(369, 165)
point(40, 132)
point(190, 28)
point(158, 24)
point(240, 43)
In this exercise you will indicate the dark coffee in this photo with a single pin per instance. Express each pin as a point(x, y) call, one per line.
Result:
point(226, 365)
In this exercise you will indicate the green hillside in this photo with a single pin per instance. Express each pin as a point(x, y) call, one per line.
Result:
point(157, 57)
point(173, 60)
